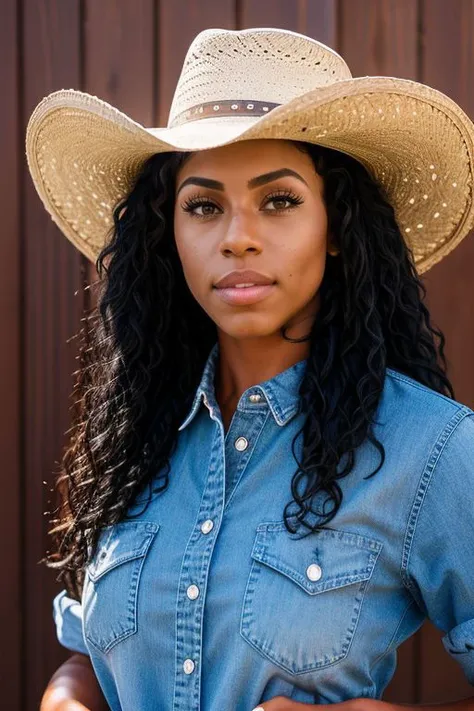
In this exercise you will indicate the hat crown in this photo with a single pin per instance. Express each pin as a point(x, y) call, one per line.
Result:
point(254, 65)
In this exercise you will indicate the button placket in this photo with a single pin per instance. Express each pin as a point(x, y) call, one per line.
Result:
point(240, 440)
point(191, 596)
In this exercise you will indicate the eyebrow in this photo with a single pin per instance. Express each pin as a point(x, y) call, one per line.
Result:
point(252, 183)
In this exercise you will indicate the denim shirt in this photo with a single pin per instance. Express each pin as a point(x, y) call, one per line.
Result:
point(206, 602)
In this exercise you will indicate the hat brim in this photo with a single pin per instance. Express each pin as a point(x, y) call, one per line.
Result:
point(84, 154)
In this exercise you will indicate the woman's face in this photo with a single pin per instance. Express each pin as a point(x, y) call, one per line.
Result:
point(234, 213)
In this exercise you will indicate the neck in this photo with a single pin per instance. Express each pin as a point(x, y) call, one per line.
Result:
point(245, 363)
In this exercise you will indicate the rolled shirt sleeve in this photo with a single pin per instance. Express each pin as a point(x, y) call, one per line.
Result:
point(67, 615)
point(438, 561)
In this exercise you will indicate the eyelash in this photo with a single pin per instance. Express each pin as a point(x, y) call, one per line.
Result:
point(195, 200)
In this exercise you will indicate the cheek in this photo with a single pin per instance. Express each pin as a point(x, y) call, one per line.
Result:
point(304, 266)
point(191, 260)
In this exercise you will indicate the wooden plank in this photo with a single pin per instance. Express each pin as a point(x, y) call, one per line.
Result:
point(175, 32)
point(274, 13)
point(51, 276)
point(119, 67)
point(315, 18)
point(321, 22)
point(446, 64)
point(11, 595)
point(118, 57)
point(379, 37)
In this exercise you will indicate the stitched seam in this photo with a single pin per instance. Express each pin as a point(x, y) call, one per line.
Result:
point(370, 690)
point(423, 388)
point(267, 415)
point(421, 492)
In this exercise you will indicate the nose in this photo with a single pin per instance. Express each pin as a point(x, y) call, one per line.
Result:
point(240, 237)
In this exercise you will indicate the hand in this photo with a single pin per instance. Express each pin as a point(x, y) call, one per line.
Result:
point(283, 703)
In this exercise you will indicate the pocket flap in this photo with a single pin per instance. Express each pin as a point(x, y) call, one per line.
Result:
point(337, 557)
point(119, 543)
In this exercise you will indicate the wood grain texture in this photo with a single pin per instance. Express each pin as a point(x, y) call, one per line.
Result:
point(448, 65)
point(175, 32)
point(380, 37)
point(11, 594)
point(50, 272)
point(119, 66)
point(315, 18)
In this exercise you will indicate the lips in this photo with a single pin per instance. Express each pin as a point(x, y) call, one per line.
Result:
point(244, 287)
point(243, 279)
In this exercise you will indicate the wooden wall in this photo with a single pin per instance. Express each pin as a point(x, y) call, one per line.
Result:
point(130, 53)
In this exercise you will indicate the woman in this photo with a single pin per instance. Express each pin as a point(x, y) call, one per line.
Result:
point(268, 484)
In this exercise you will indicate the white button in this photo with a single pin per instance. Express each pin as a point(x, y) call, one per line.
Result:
point(192, 592)
point(255, 398)
point(313, 571)
point(241, 443)
point(188, 666)
point(207, 526)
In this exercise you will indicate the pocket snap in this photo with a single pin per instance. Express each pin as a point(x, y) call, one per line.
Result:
point(304, 595)
point(111, 586)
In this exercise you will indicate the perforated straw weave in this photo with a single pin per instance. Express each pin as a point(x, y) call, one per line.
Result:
point(84, 154)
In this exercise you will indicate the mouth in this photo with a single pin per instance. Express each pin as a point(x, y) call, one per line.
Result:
point(244, 294)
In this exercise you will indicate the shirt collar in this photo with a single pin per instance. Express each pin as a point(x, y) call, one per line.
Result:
point(280, 392)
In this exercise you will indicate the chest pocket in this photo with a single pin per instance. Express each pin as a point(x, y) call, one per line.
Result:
point(304, 595)
point(112, 582)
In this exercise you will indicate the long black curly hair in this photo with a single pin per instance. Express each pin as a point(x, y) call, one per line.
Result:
point(144, 345)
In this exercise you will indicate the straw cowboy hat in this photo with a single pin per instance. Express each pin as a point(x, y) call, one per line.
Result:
point(84, 155)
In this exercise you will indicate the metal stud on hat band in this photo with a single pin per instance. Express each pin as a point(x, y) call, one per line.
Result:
point(232, 107)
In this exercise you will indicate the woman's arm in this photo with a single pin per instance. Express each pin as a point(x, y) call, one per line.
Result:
point(74, 687)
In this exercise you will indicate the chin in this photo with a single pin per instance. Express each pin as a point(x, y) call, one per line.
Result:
point(249, 326)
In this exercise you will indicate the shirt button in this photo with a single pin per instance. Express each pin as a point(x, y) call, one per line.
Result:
point(314, 572)
point(188, 666)
point(192, 592)
point(240, 444)
point(207, 526)
point(255, 398)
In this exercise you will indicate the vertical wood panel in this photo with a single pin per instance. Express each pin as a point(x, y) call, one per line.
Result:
point(119, 39)
point(447, 64)
point(274, 13)
point(176, 31)
point(10, 359)
point(119, 58)
point(316, 18)
point(379, 37)
point(322, 22)
point(51, 275)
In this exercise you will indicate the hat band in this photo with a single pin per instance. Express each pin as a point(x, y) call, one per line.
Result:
point(239, 107)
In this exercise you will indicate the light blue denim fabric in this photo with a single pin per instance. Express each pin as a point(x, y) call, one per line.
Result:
point(206, 603)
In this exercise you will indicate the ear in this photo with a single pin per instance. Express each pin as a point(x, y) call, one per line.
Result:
point(331, 249)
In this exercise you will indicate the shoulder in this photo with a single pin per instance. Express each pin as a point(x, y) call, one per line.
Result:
point(409, 395)
point(421, 420)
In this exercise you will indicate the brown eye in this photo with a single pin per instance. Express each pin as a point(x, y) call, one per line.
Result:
point(284, 196)
point(280, 201)
point(192, 204)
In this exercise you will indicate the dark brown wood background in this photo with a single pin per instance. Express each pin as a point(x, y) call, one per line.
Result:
point(130, 53)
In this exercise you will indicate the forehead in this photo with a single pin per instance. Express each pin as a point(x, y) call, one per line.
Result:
point(260, 155)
